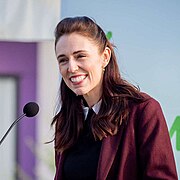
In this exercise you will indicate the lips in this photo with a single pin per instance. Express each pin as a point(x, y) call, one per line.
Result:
point(77, 79)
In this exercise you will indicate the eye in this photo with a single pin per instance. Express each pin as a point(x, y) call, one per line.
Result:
point(81, 56)
point(62, 60)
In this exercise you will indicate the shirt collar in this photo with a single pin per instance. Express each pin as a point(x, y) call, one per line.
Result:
point(95, 108)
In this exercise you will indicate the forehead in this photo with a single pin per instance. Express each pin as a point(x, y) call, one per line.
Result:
point(69, 43)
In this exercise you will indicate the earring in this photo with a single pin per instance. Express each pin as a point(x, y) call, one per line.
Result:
point(103, 69)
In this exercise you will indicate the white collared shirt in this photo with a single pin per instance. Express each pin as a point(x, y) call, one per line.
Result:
point(95, 108)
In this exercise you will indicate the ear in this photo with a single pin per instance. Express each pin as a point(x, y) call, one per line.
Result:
point(106, 56)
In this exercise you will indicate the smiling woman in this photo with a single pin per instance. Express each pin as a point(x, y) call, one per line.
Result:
point(124, 135)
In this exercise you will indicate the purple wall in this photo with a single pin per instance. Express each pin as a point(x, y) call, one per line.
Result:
point(19, 59)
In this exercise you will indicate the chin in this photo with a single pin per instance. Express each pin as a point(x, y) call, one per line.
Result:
point(80, 92)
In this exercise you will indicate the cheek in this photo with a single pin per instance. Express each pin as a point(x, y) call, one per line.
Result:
point(98, 68)
point(62, 70)
point(96, 74)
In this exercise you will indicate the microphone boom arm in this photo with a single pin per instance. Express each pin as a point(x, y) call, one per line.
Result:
point(7, 132)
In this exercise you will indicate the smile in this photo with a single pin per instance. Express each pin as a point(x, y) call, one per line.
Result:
point(77, 79)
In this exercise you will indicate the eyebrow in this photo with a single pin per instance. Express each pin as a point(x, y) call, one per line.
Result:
point(61, 55)
point(74, 53)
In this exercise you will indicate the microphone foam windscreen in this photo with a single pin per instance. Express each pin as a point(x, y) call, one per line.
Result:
point(31, 109)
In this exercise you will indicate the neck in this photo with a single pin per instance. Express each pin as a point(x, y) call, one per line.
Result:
point(92, 99)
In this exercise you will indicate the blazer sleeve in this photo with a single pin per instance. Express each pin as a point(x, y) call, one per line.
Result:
point(155, 150)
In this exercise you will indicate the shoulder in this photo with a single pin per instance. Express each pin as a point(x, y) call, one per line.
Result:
point(148, 103)
point(147, 112)
point(148, 120)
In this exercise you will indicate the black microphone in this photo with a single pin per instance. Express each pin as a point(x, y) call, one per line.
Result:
point(29, 110)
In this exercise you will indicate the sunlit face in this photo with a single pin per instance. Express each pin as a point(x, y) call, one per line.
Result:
point(80, 64)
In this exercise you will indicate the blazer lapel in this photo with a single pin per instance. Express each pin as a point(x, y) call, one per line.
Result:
point(108, 152)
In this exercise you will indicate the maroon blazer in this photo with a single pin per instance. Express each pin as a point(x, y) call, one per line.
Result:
point(141, 149)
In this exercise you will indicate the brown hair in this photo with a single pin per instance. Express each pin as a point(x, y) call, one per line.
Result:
point(116, 96)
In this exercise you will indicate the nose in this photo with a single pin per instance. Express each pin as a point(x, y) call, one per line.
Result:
point(72, 66)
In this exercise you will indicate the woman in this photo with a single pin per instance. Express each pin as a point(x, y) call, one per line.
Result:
point(126, 136)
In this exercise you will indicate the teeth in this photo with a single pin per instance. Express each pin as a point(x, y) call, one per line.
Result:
point(77, 79)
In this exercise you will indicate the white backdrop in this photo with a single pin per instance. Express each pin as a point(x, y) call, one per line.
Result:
point(28, 20)
point(147, 37)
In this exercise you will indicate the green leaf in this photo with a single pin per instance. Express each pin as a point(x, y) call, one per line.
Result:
point(109, 35)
